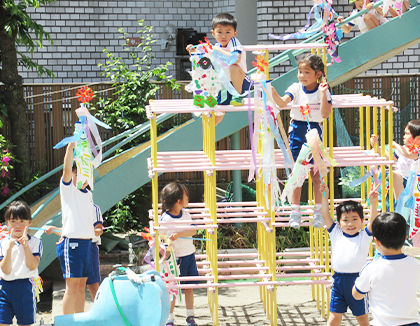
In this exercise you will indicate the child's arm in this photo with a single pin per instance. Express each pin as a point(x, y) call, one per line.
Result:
point(6, 262)
point(373, 201)
point(403, 150)
point(53, 229)
point(325, 105)
point(190, 48)
point(68, 163)
point(345, 28)
point(325, 207)
point(187, 233)
point(99, 229)
point(280, 101)
point(357, 295)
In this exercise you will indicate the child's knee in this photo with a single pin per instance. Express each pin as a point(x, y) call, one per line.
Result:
point(236, 70)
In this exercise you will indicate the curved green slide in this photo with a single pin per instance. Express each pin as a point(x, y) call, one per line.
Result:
point(121, 175)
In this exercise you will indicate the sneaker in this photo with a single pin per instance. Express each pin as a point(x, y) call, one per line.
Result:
point(170, 323)
point(294, 219)
point(318, 221)
point(237, 101)
point(191, 321)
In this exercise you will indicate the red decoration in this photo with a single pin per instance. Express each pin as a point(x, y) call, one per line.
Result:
point(85, 94)
point(413, 146)
point(260, 64)
point(306, 112)
point(146, 235)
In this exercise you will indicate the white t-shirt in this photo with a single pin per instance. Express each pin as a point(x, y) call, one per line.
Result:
point(77, 212)
point(349, 253)
point(392, 283)
point(235, 45)
point(97, 219)
point(301, 96)
point(181, 247)
point(361, 23)
point(19, 268)
point(403, 164)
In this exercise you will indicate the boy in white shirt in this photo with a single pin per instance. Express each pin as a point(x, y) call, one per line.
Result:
point(391, 280)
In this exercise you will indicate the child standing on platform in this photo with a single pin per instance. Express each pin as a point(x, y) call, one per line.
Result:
point(174, 197)
point(350, 249)
point(224, 31)
point(309, 90)
point(20, 255)
point(393, 279)
point(74, 248)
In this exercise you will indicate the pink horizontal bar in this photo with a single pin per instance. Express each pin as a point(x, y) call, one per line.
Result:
point(298, 268)
point(243, 276)
point(294, 261)
point(303, 275)
point(288, 46)
point(232, 255)
point(187, 227)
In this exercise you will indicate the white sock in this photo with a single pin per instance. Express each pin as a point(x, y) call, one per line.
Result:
point(296, 208)
point(190, 312)
point(317, 207)
point(171, 316)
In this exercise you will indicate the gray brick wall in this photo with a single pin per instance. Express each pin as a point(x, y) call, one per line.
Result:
point(82, 29)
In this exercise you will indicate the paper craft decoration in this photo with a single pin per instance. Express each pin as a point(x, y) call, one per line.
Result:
point(86, 155)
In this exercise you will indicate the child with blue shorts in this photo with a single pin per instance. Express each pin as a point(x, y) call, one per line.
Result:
point(393, 279)
point(174, 197)
point(350, 249)
point(224, 31)
point(94, 280)
point(20, 255)
point(307, 91)
point(74, 248)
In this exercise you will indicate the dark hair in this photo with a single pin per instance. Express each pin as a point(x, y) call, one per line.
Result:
point(224, 19)
point(18, 209)
point(390, 230)
point(414, 127)
point(171, 193)
point(314, 61)
point(74, 166)
point(347, 207)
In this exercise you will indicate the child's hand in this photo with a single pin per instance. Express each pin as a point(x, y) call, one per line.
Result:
point(373, 140)
point(323, 87)
point(71, 145)
point(190, 48)
point(374, 194)
point(324, 188)
point(49, 229)
point(173, 236)
point(369, 6)
point(12, 240)
point(23, 240)
point(340, 19)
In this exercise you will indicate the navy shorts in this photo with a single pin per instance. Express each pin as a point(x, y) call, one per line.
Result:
point(96, 276)
point(75, 257)
point(245, 87)
point(187, 267)
point(17, 298)
point(342, 297)
point(297, 132)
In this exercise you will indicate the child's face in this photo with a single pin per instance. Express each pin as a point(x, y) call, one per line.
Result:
point(350, 223)
point(408, 137)
point(18, 226)
point(307, 76)
point(359, 3)
point(223, 34)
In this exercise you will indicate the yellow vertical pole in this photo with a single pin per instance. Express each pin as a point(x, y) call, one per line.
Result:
point(383, 176)
point(390, 171)
point(368, 133)
point(155, 187)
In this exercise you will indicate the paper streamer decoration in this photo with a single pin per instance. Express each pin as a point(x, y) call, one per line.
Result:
point(86, 155)
point(415, 222)
point(332, 38)
point(394, 4)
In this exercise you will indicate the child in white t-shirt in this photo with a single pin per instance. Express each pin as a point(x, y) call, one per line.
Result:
point(350, 248)
point(393, 278)
point(19, 259)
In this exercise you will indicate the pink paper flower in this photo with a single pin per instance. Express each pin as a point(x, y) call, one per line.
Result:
point(5, 191)
point(6, 160)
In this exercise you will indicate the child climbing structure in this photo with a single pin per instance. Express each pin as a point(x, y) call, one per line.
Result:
point(269, 266)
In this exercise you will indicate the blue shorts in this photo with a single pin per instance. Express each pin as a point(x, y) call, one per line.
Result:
point(245, 87)
point(297, 132)
point(75, 257)
point(187, 267)
point(17, 298)
point(342, 297)
point(96, 276)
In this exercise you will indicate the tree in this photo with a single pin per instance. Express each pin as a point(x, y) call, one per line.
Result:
point(18, 29)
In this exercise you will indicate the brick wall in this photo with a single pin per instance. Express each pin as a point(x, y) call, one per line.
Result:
point(82, 29)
